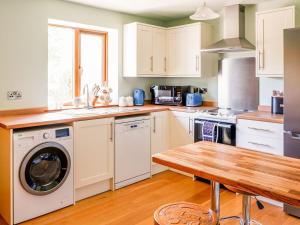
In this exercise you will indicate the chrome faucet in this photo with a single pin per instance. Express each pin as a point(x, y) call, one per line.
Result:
point(87, 92)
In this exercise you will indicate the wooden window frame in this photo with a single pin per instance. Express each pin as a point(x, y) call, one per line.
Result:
point(77, 64)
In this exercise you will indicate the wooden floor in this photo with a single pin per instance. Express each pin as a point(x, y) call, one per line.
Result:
point(134, 205)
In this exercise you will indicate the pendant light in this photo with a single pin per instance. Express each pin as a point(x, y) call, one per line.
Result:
point(204, 13)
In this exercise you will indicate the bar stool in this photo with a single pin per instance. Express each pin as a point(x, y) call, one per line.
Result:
point(246, 206)
point(182, 213)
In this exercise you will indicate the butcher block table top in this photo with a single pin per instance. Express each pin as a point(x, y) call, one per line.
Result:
point(271, 176)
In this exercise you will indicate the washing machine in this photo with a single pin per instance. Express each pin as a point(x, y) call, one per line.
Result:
point(42, 171)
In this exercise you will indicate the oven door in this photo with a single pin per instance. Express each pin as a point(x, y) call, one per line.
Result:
point(225, 133)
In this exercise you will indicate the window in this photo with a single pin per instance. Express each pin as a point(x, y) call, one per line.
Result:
point(75, 57)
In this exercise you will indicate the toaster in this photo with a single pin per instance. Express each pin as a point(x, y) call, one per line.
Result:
point(193, 99)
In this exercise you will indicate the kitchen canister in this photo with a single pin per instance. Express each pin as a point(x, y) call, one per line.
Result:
point(122, 101)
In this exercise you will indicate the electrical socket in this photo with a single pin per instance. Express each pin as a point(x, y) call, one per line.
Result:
point(14, 95)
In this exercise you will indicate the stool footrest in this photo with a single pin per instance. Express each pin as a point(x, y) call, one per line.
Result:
point(181, 213)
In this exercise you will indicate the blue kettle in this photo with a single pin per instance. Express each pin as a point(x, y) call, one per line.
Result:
point(138, 96)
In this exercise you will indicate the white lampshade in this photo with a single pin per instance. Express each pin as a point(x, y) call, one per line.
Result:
point(204, 13)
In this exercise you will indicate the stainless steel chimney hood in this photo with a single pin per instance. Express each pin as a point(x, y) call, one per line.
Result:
point(234, 32)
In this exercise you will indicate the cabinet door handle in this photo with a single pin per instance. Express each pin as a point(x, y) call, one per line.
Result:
point(190, 130)
point(196, 63)
point(260, 129)
point(165, 64)
point(111, 131)
point(293, 135)
point(259, 144)
point(154, 124)
point(151, 59)
point(262, 52)
point(261, 60)
point(259, 66)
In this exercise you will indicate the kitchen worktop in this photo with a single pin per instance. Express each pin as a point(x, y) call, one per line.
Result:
point(271, 176)
point(69, 116)
point(262, 116)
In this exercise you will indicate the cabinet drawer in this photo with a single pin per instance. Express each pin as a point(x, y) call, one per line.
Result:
point(260, 143)
point(261, 129)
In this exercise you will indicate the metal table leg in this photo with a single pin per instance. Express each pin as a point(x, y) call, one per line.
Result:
point(215, 199)
point(246, 209)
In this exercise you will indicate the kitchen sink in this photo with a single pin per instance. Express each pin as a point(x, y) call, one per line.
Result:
point(96, 111)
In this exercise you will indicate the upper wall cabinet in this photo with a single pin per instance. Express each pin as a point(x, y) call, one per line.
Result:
point(184, 57)
point(151, 51)
point(144, 50)
point(269, 40)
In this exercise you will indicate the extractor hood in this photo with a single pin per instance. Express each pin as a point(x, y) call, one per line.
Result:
point(234, 32)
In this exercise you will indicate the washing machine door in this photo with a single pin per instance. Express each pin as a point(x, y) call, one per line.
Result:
point(45, 168)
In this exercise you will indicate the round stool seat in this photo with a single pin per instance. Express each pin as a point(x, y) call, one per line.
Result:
point(183, 213)
point(239, 190)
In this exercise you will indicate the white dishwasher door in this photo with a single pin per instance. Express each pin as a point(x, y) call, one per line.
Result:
point(132, 150)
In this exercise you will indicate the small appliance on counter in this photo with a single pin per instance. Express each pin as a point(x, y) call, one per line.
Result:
point(125, 101)
point(277, 102)
point(138, 96)
point(193, 97)
point(168, 95)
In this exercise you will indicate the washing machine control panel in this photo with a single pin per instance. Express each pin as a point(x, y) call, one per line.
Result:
point(61, 133)
point(46, 135)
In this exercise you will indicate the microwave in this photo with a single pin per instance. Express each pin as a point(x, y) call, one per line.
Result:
point(168, 95)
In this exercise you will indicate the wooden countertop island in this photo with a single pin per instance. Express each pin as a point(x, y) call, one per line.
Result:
point(271, 176)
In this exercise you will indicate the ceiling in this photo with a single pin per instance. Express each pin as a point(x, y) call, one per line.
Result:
point(161, 9)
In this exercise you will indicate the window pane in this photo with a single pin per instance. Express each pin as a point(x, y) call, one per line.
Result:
point(91, 58)
point(60, 65)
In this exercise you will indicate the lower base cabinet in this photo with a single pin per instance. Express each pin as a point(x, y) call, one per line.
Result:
point(160, 140)
point(263, 137)
point(94, 157)
point(181, 131)
point(181, 128)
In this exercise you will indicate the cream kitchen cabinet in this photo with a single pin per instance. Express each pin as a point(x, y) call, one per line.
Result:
point(184, 57)
point(159, 51)
point(269, 40)
point(151, 51)
point(144, 50)
point(260, 136)
point(94, 153)
point(159, 137)
point(182, 128)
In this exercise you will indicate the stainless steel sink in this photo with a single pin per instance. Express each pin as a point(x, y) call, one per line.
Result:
point(96, 111)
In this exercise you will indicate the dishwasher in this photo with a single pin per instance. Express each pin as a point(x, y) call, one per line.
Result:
point(132, 150)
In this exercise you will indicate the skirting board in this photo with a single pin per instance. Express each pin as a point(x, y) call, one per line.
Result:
point(156, 168)
point(93, 189)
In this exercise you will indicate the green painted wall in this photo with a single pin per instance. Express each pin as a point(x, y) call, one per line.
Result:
point(23, 44)
point(266, 84)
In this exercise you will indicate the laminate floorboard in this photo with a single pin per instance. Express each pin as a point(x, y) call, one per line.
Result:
point(135, 204)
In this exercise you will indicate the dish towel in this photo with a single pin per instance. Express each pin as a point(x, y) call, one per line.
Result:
point(208, 131)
